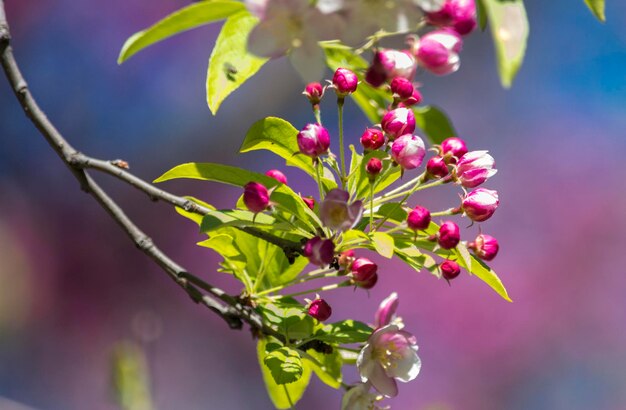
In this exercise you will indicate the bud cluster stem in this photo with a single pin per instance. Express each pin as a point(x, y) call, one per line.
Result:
point(340, 102)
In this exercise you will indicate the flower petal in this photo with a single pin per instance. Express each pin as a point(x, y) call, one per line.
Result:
point(386, 310)
point(407, 367)
point(384, 384)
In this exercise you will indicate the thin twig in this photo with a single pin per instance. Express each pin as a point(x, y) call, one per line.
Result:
point(226, 306)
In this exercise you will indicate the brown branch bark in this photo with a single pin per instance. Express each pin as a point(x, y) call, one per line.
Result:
point(228, 307)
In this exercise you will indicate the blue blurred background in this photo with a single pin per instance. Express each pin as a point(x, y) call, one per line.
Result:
point(72, 285)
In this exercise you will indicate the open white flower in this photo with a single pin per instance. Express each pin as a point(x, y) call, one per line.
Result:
point(293, 28)
point(390, 354)
point(359, 397)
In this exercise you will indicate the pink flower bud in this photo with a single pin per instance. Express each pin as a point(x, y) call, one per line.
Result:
point(408, 151)
point(345, 81)
point(277, 175)
point(320, 310)
point(452, 149)
point(457, 14)
point(309, 201)
point(336, 213)
point(314, 92)
point(402, 88)
point(436, 167)
point(438, 51)
point(480, 204)
point(389, 64)
point(398, 122)
point(313, 140)
point(374, 166)
point(449, 269)
point(386, 311)
point(319, 251)
point(474, 168)
point(464, 18)
point(418, 219)
point(414, 99)
point(449, 235)
point(372, 139)
point(256, 197)
point(363, 269)
point(485, 247)
point(369, 283)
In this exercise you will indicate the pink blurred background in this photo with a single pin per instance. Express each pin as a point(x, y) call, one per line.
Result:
point(73, 285)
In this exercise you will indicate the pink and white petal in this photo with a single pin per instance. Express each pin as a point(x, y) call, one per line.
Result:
point(309, 62)
point(384, 384)
point(268, 40)
point(386, 310)
point(407, 367)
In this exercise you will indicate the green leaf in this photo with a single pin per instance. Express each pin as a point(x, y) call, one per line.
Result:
point(280, 137)
point(435, 124)
point(289, 317)
point(230, 64)
point(284, 364)
point(346, 331)
point(287, 395)
point(482, 15)
point(509, 29)
point(416, 259)
point(282, 194)
point(388, 175)
point(392, 211)
point(326, 366)
point(184, 19)
point(383, 243)
point(597, 8)
point(233, 217)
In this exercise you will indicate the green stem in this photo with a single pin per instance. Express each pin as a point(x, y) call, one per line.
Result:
point(316, 290)
point(417, 187)
point(340, 101)
point(451, 211)
point(317, 113)
point(319, 179)
point(288, 397)
point(371, 205)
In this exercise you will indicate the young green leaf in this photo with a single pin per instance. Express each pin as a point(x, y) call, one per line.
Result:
point(287, 395)
point(383, 243)
point(284, 364)
point(280, 137)
point(326, 366)
point(282, 195)
point(346, 331)
point(434, 122)
point(597, 8)
point(509, 29)
point(289, 317)
point(230, 64)
point(189, 17)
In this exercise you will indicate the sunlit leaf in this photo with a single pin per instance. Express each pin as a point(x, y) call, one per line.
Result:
point(285, 365)
point(597, 8)
point(287, 395)
point(230, 64)
point(383, 243)
point(509, 29)
point(326, 366)
point(189, 17)
point(346, 331)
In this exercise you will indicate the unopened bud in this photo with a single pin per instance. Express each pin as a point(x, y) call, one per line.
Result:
point(372, 139)
point(314, 92)
point(485, 247)
point(313, 140)
point(480, 204)
point(449, 269)
point(449, 235)
point(436, 167)
point(402, 88)
point(374, 166)
point(309, 201)
point(452, 149)
point(320, 309)
point(408, 151)
point(398, 122)
point(256, 197)
point(363, 269)
point(418, 219)
point(345, 82)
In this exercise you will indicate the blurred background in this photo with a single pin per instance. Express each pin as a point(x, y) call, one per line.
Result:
point(72, 286)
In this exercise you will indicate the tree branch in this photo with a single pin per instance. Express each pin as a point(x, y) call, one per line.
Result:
point(228, 307)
